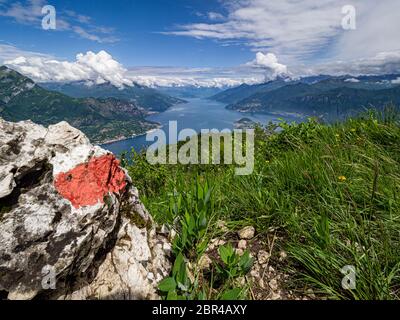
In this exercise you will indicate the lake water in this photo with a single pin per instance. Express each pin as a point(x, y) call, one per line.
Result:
point(196, 114)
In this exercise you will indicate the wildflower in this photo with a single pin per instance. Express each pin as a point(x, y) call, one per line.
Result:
point(353, 130)
point(342, 178)
point(267, 161)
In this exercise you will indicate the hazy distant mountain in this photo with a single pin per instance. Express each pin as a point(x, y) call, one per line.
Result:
point(332, 97)
point(245, 90)
point(186, 92)
point(142, 96)
point(100, 119)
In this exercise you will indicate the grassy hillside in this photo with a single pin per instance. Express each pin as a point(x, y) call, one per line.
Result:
point(321, 197)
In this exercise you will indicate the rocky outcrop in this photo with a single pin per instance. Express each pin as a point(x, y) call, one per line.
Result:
point(71, 223)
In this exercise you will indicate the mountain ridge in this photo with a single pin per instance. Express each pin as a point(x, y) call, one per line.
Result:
point(328, 97)
point(147, 98)
point(101, 119)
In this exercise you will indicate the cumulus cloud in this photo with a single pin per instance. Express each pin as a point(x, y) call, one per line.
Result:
point(101, 67)
point(96, 67)
point(269, 62)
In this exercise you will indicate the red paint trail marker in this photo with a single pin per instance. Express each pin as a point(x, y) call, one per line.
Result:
point(88, 183)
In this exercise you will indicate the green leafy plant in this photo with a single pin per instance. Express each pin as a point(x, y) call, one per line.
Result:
point(178, 286)
point(233, 265)
point(193, 210)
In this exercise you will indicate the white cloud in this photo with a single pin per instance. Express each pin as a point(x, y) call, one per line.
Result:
point(294, 30)
point(269, 62)
point(381, 63)
point(197, 77)
point(30, 13)
point(299, 31)
point(215, 16)
point(396, 81)
point(378, 26)
point(354, 80)
point(97, 67)
point(9, 52)
point(101, 67)
point(27, 13)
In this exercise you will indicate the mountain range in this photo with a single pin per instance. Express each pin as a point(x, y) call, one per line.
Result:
point(324, 96)
point(102, 119)
point(148, 98)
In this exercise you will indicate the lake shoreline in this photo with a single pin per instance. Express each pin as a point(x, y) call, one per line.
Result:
point(107, 142)
point(196, 114)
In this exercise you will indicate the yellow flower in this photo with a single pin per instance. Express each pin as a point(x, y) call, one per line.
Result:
point(267, 161)
point(342, 178)
point(337, 135)
point(353, 130)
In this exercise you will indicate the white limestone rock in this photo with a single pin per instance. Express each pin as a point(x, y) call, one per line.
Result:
point(87, 249)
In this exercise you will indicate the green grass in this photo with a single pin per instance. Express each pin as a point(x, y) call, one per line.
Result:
point(332, 191)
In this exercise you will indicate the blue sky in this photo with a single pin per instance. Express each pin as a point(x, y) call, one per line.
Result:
point(137, 26)
point(223, 42)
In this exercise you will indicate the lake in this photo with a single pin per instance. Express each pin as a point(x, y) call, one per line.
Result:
point(196, 114)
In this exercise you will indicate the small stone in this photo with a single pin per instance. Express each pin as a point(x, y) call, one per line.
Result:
point(273, 284)
point(247, 233)
point(241, 281)
point(310, 293)
point(222, 225)
point(276, 296)
point(256, 267)
point(271, 269)
point(204, 262)
point(240, 252)
point(214, 244)
point(242, 244)
point(263, 256)
point(282, 255)
point(254, 273)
